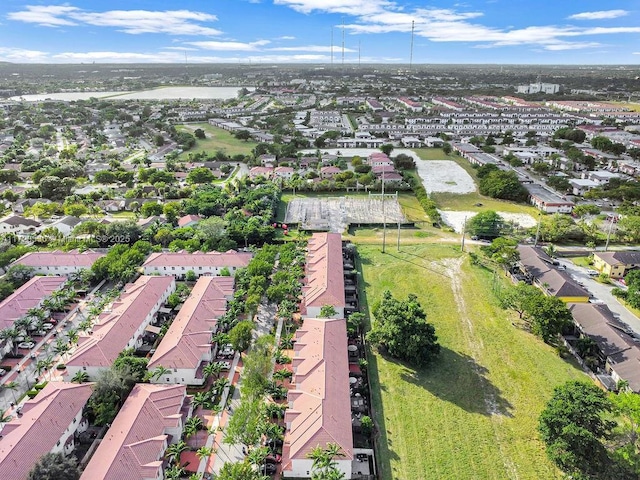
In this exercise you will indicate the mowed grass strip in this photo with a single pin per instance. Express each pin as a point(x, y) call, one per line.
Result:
point(473, 414)
point(217, 140)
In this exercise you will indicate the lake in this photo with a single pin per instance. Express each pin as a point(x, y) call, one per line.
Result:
point(166, 93)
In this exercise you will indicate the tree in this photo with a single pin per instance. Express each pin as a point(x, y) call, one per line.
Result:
point(327, 311)
point(244, 426)
point(150, 209)
point(239, 471)
point(213, 368)
point(243, 135)
point(200, 175)
point(174, 450)
point(75, 210)
point(548, 317)
point(54, 188)
point(401, 328)
point(573, 427)
point(486, 224)
point(240, 335)
point(324, 467)
point(158, 372)
point(504, 185)
point(80, 377)
point(199, 133)
point(519, 298)
point(387, 148)
point(55, 466)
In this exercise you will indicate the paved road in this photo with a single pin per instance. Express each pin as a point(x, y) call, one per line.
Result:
point(603, 293)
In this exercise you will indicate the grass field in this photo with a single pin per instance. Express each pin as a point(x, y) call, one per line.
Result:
point(473, 414)
point(217, 140)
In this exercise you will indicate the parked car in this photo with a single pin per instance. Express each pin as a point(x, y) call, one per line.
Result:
point(591, 272)
point(226, 351)
point(225, 366)
point(268, 468)
point(27, 345)
point(273, 458)
point(561, 267)
point(47, 326)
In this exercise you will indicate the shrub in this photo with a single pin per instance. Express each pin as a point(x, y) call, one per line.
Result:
point(32, 393)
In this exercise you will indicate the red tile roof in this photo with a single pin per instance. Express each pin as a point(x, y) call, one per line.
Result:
point(42, 423)
point(72, 258)
point(187, 219)
point(134, 445)
point(189, 336)
point(209, 259)
point(115, 328)
point(325, 273)
point(321, 401)
point(28, 296)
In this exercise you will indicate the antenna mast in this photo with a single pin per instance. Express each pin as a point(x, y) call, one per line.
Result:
point(411, 51)
point(331, 45)
point(343, 42)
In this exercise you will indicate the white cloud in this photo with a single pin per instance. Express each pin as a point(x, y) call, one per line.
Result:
point(48, 16)
point(286, 37)
point(599, 15)
point(348, 7)
point(230, 46)
point(312, 48)
point(172, 22)
point(22, 55)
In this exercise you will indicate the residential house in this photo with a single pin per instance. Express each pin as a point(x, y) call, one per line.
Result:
point(319, 402)
point(47, 423)
point(283, 172)
point(120, 326)
point(580, 186)
point(58, 262)
point(547, 200)
point(618, 353)
point(329, 172)
point(186, 347)
point(65, 225)
point(616, 264)
point(149, 421)
point(189, 221)
point(324, 281)
point(210, 263)
point(18, 225)
point(255, 172)
point(540, 269)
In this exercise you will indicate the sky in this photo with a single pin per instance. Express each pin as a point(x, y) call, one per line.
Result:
point(302, 31)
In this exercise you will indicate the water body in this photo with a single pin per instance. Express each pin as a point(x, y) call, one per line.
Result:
point(168, 93)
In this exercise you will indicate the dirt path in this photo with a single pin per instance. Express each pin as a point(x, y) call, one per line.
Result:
point(453, 269)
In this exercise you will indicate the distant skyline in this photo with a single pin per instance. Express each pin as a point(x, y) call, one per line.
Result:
point(300, 31)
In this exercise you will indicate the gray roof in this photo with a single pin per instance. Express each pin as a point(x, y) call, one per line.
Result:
point(627, 257)
point(538, 264)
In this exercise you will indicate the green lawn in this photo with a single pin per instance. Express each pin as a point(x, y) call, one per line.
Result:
point(217, 140)
point(473, 414)
point(470, 201)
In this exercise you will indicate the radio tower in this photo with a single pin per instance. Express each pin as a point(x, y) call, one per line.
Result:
point(411, 50)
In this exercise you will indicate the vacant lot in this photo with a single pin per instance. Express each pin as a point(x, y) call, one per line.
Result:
point(456, 219)
point(473, 414)
point(444, 176)
point(217, 140)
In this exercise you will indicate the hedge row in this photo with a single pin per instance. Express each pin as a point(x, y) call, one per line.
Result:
point(427, 204)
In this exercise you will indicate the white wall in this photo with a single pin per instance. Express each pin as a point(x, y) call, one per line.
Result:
point(302, 468)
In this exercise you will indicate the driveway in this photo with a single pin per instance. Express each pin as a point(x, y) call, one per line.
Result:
point(602, 292)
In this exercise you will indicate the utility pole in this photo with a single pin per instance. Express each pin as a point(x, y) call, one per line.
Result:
point(464, 231)
point(606, 245)
point(398, 235)
point(384, 218)
point(535, 243)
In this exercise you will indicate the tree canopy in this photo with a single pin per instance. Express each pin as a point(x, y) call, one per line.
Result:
point(55, 466)
point(401, 328)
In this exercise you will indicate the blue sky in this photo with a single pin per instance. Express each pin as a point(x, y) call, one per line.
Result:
point(300, 31)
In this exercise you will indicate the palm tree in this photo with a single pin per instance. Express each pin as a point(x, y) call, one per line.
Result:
point(11, 335)
point(200, 399)
point(80, 377)
point(174, 450)
point(61, 348)
point(220, 384)
point(324, 466)
point(257, 455)
point(73, 336)
point(214, 368)
point(4, 416)
point(204, 452)
point(192, 425)
point(174, 472)
point(158, 372)
point(13, 386)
